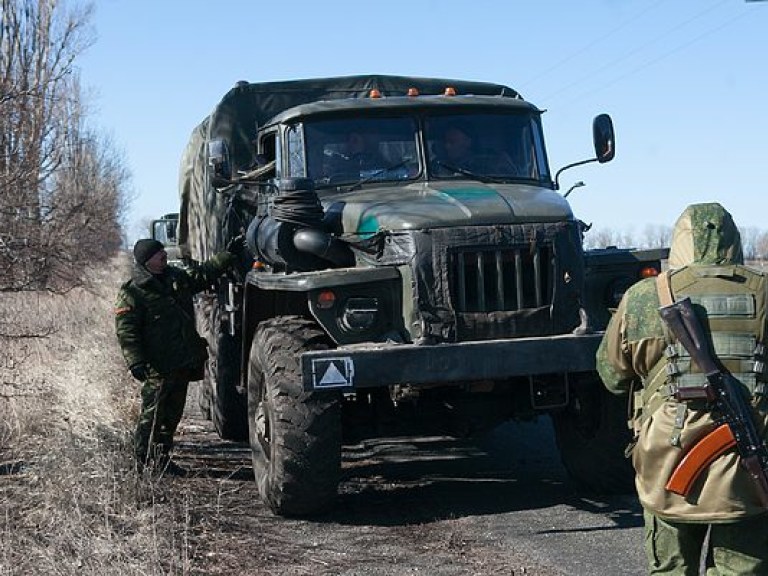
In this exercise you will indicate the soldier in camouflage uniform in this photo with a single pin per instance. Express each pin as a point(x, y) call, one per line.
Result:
point(637, 357)
point(155, 325)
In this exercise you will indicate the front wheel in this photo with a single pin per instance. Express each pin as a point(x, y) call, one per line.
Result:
point(592, 435)
point(295, 436)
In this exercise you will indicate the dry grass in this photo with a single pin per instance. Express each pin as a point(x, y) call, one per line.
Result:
point(70, 500)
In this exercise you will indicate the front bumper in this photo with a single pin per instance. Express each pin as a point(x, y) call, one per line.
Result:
point(374, 365)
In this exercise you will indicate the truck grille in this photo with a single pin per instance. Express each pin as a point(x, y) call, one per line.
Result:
point(508, 279)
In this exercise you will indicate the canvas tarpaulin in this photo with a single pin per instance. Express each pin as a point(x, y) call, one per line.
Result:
point(205, 222)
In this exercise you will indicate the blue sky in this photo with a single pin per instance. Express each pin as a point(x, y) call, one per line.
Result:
point(684, 81)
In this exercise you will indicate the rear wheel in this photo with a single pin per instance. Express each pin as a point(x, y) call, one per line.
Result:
point(203, 318)
point(295, 436)
point(592, 436)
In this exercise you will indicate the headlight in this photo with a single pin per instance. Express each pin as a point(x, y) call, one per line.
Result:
point(359, 314)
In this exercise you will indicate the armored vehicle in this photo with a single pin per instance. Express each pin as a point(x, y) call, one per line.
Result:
point(409, 258)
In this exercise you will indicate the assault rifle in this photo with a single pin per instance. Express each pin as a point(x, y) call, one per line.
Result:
point(722, 391)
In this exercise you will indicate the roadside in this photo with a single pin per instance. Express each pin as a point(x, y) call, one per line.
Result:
point(411, 505)
point(406, 506)
point(71, 502)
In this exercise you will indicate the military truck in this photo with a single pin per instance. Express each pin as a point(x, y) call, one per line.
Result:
point(165, 230)
point(390, 280)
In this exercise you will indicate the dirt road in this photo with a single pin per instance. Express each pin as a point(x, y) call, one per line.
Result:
point(433, 506)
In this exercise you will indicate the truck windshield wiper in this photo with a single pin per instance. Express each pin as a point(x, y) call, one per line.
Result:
point(468, 173)
point(377, 173)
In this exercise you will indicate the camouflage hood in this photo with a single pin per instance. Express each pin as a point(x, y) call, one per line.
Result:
point(445, 204)
point(705, 234)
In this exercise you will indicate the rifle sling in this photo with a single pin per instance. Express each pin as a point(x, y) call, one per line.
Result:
point(654, 382)
point(663, 289)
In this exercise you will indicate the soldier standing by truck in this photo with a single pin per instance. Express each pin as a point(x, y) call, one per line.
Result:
point(674, 410)
point(154, 321)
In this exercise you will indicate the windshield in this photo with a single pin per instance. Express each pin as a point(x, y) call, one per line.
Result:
point(493, 146)
point(347, 151)
point(350, 152)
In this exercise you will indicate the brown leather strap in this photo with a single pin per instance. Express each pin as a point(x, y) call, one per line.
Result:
point(663, 289)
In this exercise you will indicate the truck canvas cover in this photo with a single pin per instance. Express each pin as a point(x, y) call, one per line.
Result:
point(204, 220)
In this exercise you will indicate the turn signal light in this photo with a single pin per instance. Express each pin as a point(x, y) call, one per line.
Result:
point(326, 299)
point(649, 272)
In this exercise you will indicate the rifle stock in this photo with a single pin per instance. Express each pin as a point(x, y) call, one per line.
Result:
point(724, 394)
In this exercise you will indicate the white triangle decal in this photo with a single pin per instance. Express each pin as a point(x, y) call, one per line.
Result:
point(333, 376)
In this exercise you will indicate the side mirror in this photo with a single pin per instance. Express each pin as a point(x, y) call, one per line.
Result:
point(604, 138)
point(218, 161)
point(170, 230)
point(163, 230)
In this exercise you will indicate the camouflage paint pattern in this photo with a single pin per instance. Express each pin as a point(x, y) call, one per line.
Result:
point(632, 349)
point(436, 205)
point(705, 234)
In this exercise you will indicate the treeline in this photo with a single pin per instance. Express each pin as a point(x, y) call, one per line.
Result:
point(63, 185)
point(754, 240)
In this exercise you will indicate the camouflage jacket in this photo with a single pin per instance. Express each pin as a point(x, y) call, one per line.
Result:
point(705, 260)
point(155, 319)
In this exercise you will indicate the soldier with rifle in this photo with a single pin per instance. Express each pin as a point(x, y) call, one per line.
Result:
point(688, 348)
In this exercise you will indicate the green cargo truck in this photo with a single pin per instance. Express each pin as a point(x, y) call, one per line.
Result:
point(165, 230)
point(410, 258)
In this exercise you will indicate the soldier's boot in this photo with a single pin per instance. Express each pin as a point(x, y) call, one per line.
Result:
point(165, 466)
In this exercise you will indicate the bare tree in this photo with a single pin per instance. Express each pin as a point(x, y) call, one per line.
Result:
point(63, 186)
point(656, 236)
point(749, 240)
point(84, 202)
point(602, 238)
point(761, 246)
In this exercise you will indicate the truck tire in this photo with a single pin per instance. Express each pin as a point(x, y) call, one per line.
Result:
point(228, 406)
point(592, 435)
point(203, 318)
point(295, 436)
point(204, 396)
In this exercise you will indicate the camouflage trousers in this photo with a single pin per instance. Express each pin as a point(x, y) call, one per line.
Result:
point(740, 548)
point(162, 404)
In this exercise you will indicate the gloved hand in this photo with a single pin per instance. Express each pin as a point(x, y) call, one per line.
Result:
point(236, 246)
point(140, 372)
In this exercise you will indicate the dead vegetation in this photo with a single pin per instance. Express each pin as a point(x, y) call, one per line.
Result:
point(72, 503)
point(70, 500)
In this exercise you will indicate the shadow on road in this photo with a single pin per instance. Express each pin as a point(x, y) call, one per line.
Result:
point(406, 480)
point(402, 481)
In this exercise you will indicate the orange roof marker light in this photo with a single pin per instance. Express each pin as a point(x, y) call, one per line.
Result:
point(413, 91)
point(449, 91)
point(374, 93)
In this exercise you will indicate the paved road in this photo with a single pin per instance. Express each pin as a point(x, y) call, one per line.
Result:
point(432, 505)
point(511, 486)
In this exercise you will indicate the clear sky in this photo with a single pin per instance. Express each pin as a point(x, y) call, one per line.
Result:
point(684, 80)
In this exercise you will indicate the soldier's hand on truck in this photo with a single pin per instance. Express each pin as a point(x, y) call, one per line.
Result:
point(236, 246)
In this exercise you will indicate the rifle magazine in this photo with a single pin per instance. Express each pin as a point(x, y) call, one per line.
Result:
point(699, 457)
